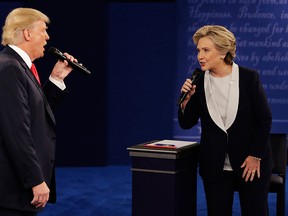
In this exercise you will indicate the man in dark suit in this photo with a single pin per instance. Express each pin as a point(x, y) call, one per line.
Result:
point(27, 123)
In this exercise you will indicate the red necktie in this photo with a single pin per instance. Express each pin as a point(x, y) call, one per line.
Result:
point(34, 71)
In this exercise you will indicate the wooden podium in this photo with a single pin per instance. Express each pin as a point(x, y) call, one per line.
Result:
point(164, 180)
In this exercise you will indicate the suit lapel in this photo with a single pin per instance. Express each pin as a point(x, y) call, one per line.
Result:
point(30, 75)
point(232, 101)
point(34, 80)
point(211, 103)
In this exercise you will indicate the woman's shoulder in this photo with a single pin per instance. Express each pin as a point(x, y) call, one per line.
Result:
point(250, 75)
point(248, 69)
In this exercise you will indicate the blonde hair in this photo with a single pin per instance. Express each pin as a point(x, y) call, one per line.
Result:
point(18, 20)
point(223, 39)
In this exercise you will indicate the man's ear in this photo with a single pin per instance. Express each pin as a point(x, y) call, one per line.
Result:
point(26, 34)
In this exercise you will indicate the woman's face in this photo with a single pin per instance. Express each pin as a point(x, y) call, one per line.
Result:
point(208, 56)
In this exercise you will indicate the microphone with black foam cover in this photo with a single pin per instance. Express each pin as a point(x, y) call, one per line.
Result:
point(194, 78)
point(75, 65)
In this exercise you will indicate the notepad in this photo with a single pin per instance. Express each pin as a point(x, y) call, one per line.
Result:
point(172, 144)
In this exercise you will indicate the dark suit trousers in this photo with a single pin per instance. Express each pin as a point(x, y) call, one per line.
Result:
point(12, 212)
point(253, 195)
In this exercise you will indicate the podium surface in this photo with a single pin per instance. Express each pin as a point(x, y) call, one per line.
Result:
point(164, 178)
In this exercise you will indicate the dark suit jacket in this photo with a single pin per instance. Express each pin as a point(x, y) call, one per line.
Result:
point(247, 135)
point(27, 132)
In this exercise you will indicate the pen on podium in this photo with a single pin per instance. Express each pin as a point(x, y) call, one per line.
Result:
point(160, 144)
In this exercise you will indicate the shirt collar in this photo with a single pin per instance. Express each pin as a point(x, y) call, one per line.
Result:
point(22, 54)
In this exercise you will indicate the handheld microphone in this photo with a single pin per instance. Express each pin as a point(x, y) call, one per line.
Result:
point(194, 78)
point(75, 65)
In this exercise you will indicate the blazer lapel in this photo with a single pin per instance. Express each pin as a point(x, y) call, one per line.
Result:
point(233, 100)
point(211, 103)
